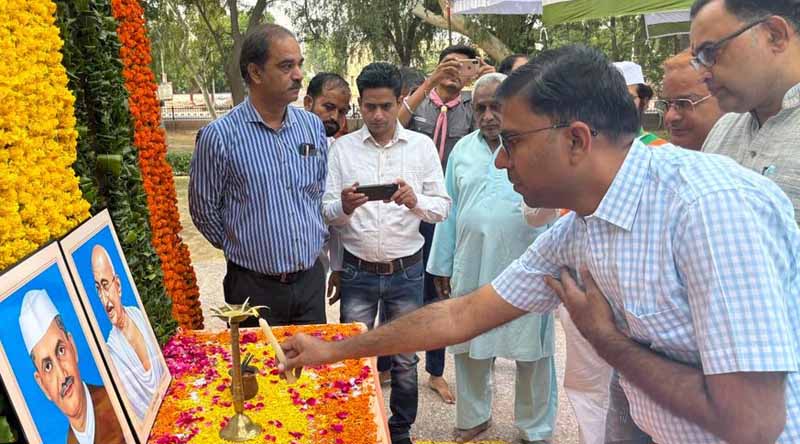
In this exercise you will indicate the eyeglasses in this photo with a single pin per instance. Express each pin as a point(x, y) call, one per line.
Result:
point(679, 105)
point(508, 141)
point(706, 55)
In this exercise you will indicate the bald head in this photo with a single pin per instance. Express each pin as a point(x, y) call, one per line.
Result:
point(108, 286)
point(692, 111)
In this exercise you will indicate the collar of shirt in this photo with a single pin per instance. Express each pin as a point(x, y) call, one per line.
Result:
point(252, 115)
point(400, 133)
point(792, 97)
point(621, 202)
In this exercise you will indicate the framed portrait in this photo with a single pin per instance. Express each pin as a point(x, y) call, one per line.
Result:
point(49, 361)
point(117, 316)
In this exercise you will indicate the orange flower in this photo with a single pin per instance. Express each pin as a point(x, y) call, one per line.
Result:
point(179, 278)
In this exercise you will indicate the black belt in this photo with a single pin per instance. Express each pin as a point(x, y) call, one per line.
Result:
point(382, 268)
point(283, 278)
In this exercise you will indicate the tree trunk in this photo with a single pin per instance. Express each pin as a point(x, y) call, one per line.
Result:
point(487, 41)
point(234, 76)
point(614, 45)
point(198, 83)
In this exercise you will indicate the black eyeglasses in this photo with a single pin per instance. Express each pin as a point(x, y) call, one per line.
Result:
point(507, 141)
point(679, 105)
point(706, 55)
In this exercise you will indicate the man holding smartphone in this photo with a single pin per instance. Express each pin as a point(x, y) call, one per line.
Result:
point(379, 226)
point(442, 111)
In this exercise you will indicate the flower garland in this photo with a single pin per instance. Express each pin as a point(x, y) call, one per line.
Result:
point(330, 404)
point(108, 161)
point(179, 277)
point(39, 195)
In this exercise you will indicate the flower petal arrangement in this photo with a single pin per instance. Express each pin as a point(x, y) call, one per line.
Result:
point(329, 404)
point(150, 140)
point(39, 195)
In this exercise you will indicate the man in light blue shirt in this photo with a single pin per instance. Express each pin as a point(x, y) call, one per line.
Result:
point(689, 263)
point(485, 232)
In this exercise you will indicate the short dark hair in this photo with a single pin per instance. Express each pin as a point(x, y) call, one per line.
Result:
point(412, 78)
point(380, 75)
point(323, 81)
point(751, 10)
point(507, 64)
point(459, 49)
point(575, 82)
point(255, 48)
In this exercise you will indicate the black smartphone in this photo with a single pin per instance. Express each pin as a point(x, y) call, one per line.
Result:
point(378, 192)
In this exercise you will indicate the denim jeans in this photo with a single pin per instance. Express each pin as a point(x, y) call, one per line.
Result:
point(399, 293)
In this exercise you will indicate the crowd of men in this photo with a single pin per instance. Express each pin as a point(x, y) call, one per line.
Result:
point(673, 266)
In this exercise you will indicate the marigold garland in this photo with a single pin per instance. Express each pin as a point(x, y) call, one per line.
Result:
point(39, 195)
point(179, 277)
point(330, 404)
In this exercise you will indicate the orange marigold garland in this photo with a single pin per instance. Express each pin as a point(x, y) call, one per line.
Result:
point(149, 138)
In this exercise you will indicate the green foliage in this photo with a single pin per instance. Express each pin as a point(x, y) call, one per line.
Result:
point(9, 425)
point(386, 27)
point(179, 161)
point(105, 132)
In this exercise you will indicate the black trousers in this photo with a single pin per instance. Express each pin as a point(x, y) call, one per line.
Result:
point(301, 302)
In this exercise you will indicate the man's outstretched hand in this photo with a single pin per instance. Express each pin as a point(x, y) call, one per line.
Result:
point(303, 350)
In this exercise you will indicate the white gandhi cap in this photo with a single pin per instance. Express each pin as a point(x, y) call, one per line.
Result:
point(631, 71)
point(35, 317)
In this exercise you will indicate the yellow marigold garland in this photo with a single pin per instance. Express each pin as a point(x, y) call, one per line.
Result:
point(149, 138)
point(39, 195)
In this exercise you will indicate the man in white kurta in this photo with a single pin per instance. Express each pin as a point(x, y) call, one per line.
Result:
point(485, 232)
point(134, 352)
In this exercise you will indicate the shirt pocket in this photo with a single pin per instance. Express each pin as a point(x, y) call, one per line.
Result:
point(311, 173)
point(669, 332)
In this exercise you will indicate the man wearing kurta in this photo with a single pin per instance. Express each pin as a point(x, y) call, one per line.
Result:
point(485, 232)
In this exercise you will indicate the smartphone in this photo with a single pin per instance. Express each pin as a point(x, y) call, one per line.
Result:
point(378, 192)
point(469, 69)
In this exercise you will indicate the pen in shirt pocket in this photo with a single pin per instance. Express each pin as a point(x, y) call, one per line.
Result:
point(768, 171)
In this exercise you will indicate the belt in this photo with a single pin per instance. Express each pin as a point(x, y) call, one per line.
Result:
point(382, 268)
point(283, 278)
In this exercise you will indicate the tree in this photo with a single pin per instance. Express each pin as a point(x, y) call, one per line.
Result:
point(386, 27)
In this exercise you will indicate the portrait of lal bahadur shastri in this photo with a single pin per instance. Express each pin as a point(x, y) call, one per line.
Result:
point(134, 353)
point(87, 408)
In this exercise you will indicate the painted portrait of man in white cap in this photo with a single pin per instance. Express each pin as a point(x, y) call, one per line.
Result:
point(134, 352)
point(52, 349)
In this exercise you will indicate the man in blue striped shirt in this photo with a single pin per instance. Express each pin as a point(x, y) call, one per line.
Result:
point(257, 178)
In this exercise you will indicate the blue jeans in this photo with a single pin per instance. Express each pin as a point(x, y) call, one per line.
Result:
point(399, 293)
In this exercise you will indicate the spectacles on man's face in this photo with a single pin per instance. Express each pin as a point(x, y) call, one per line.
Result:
point(509, 141)
point(679, 105)
point(706, 55)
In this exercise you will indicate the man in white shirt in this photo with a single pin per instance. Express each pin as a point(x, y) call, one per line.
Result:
point(382, 246)
point(134, 351)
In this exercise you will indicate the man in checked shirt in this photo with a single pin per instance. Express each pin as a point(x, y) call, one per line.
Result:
point(686, 263)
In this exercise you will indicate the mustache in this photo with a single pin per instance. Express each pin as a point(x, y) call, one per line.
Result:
point(66, 385)
point(296, 85)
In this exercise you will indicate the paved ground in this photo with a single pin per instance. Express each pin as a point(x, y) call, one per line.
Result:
point(436, 419)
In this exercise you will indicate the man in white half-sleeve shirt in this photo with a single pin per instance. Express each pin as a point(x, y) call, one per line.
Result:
point(382, 246)
point(689, 263)
point(134, 352)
